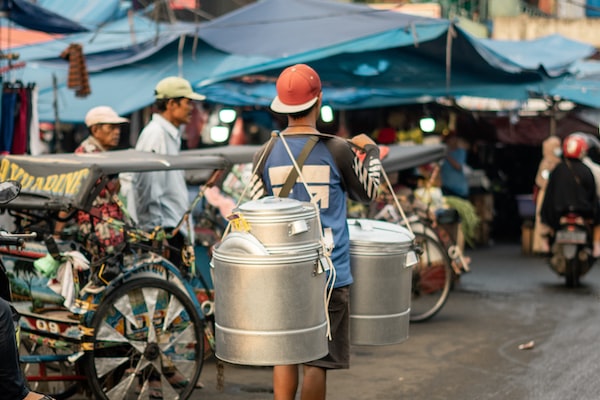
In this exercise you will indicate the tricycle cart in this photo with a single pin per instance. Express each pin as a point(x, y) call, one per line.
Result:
point(144, 334)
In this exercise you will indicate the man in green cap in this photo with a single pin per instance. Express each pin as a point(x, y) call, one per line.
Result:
point(162, 196)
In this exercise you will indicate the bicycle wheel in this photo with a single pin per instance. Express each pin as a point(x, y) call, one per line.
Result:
point(431, 279)
point(572, 274)
point(148, 343)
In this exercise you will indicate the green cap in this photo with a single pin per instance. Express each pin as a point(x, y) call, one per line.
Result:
point(174, 87)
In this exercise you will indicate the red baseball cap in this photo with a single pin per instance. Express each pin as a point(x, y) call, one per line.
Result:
point(298, 89)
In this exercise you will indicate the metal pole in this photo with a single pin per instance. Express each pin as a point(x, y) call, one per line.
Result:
point(58, 137)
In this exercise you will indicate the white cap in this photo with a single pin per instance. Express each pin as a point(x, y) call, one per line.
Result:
point(103, 115)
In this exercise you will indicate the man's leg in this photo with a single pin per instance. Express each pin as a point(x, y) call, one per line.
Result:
point(314, 385)
point(285, 382)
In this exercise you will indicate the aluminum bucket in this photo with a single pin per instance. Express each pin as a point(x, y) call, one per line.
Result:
point(282, 224)
point(381, 254)
point(269, 308)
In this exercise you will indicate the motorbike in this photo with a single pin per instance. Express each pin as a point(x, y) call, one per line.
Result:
point(572, 249)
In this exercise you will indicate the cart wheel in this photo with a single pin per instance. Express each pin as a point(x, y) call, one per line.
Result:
point(148, 343)
point(431, 279)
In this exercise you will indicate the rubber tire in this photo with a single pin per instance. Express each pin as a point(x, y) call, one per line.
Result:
point(572, 273)
point(106, 306)
point(431, 248)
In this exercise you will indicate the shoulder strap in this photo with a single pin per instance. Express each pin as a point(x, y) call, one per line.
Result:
point(293, 176)
point(260, 159)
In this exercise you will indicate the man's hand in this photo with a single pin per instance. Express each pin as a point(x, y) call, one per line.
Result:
point(361, 140)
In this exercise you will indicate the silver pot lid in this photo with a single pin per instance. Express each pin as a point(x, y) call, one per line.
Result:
point(369, 232)
point(271, 205)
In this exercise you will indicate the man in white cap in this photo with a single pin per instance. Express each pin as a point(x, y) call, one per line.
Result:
point(332, 171)
point(162, 196)
point(100, 238)
point(105, 130)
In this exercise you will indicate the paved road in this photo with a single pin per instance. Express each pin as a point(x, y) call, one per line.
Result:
point(471, 349)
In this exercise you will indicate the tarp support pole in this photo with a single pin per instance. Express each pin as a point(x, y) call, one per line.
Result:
point(58, 145)
point(180, 54)
point(449, 36)
point(553, 109)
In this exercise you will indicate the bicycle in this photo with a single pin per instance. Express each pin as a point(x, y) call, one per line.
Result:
point(440, 260)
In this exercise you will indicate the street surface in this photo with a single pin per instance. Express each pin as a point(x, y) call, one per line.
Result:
point(470, 350)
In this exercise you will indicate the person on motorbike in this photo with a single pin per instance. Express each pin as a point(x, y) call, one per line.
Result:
point(572, 189)
point(591, 158)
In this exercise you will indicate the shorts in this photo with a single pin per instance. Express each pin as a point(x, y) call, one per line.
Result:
point(339, 319)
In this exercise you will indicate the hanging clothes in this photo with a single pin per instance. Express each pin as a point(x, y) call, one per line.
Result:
point(7, 125)
point(21, 129)
point(16, 117)
point(78, 74)
point(36, 144)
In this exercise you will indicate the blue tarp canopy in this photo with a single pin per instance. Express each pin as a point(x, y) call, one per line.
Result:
point(583, 85)
point(63, 16)
point(301, 26)
point(366, 58)
point(91, 14)
point(408, 74)
point(36, 17)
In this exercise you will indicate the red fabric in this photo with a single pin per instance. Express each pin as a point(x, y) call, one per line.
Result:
point(19, 145)
point(386, 136)
point(432, 278)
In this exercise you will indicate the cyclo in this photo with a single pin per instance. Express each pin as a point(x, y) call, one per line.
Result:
point(144, 334)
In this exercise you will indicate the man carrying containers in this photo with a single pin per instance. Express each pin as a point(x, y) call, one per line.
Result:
point(332, 170)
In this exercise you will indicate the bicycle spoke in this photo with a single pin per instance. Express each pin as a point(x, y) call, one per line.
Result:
point(174, 310)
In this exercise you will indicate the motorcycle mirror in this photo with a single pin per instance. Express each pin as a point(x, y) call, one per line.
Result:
point(9, 190)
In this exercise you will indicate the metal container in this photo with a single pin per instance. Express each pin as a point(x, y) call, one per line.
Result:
point(269, 307)
point(381, 254)
point(282, 224)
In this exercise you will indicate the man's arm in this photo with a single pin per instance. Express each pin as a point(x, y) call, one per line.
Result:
point(361, 178)
point(257, 188)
